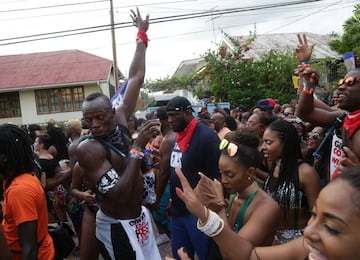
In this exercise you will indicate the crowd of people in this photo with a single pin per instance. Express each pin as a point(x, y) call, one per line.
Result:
point(267, 182)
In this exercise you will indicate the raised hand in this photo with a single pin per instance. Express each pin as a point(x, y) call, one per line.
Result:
point(140, 23)
point(310, 76)
point(148, 131)
point(188, 196)
point(303, 50)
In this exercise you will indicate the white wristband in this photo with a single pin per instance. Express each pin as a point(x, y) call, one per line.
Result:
point(213, 226)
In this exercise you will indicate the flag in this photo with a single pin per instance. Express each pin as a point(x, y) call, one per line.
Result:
point(117, 99)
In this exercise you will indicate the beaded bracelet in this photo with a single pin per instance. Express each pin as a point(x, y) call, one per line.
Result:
point(142, 37)
point(308, 91)
point(133, 155)
point(136, 147)
point(308, 88)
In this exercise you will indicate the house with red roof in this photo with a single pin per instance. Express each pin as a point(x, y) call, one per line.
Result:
point(38, 86)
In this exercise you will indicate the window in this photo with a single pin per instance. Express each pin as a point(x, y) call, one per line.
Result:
point(59, 100)
point(10, 105)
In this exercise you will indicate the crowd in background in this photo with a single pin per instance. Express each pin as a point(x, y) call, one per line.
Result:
point(269, 164)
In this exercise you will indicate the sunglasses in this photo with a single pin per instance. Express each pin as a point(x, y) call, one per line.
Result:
point(314, 136)
point(231, 148)
point(287, 113)
point(350, 81)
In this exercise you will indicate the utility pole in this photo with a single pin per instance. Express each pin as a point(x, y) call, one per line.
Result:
point(116, 76)
point(212, 21)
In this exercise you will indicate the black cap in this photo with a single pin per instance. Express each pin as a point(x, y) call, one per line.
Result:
point(179, 104)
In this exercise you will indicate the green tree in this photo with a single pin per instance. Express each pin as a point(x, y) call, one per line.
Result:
point(350, 39)
point(173, 83)
point(232, 78)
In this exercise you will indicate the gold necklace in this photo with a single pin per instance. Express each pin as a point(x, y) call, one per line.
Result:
point(253, 187)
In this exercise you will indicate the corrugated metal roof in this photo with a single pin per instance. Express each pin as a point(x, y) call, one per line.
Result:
point(267, 42)
point(52, 68)
point(187, 67)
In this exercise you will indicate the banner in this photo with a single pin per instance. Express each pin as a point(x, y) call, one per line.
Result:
point(336, 151)
point(349, 60)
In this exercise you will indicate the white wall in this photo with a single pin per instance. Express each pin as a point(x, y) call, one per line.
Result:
point(29, 113)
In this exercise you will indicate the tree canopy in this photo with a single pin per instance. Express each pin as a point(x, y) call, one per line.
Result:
point(231, 77)
point(350, 39)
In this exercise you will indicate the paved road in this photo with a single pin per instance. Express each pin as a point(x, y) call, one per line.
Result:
point(165, 250)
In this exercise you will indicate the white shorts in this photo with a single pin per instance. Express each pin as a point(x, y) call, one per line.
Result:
point(127, 239)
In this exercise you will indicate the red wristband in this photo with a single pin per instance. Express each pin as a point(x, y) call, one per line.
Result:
point(308, 91)
point(142, 37)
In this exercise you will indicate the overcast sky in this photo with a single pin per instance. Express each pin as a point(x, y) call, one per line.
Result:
point(170, 41)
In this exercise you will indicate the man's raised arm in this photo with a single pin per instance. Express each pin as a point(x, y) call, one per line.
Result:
point(309, 109)
point(136, 71)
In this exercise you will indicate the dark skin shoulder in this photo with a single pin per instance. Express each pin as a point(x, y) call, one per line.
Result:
point(261, 220)
point(124, 200)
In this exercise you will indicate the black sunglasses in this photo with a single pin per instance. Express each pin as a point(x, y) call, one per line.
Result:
point(287, 113)
point(314, 136)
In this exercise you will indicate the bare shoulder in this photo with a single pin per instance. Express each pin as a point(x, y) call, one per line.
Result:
point(307, 173)
point(89, 152)
point(167, 141)
point(266, 203)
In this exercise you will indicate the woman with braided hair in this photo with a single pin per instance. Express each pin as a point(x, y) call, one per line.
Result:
point(293, 183)
point(25, 213)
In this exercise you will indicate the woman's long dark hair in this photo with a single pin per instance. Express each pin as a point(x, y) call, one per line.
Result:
point(289, 167)
point(15, 149)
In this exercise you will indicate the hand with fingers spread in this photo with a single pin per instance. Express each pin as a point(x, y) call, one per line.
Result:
point(141, 24)
point(303, 50)
point(188, 196)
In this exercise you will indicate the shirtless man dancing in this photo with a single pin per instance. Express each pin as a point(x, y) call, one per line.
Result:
point(123, 225)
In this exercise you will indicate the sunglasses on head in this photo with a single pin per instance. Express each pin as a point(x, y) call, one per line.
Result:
point(349, 81)
point(231, 148)
point(314, 136)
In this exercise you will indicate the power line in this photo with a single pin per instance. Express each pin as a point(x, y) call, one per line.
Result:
point(50, 6)
point(183, 34)
point(72, 12)
point(299, 18)
point(72, 32)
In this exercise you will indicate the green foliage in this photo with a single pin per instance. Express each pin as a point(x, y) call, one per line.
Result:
point(173, 83)
point(350, 39)
point(232, 78)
